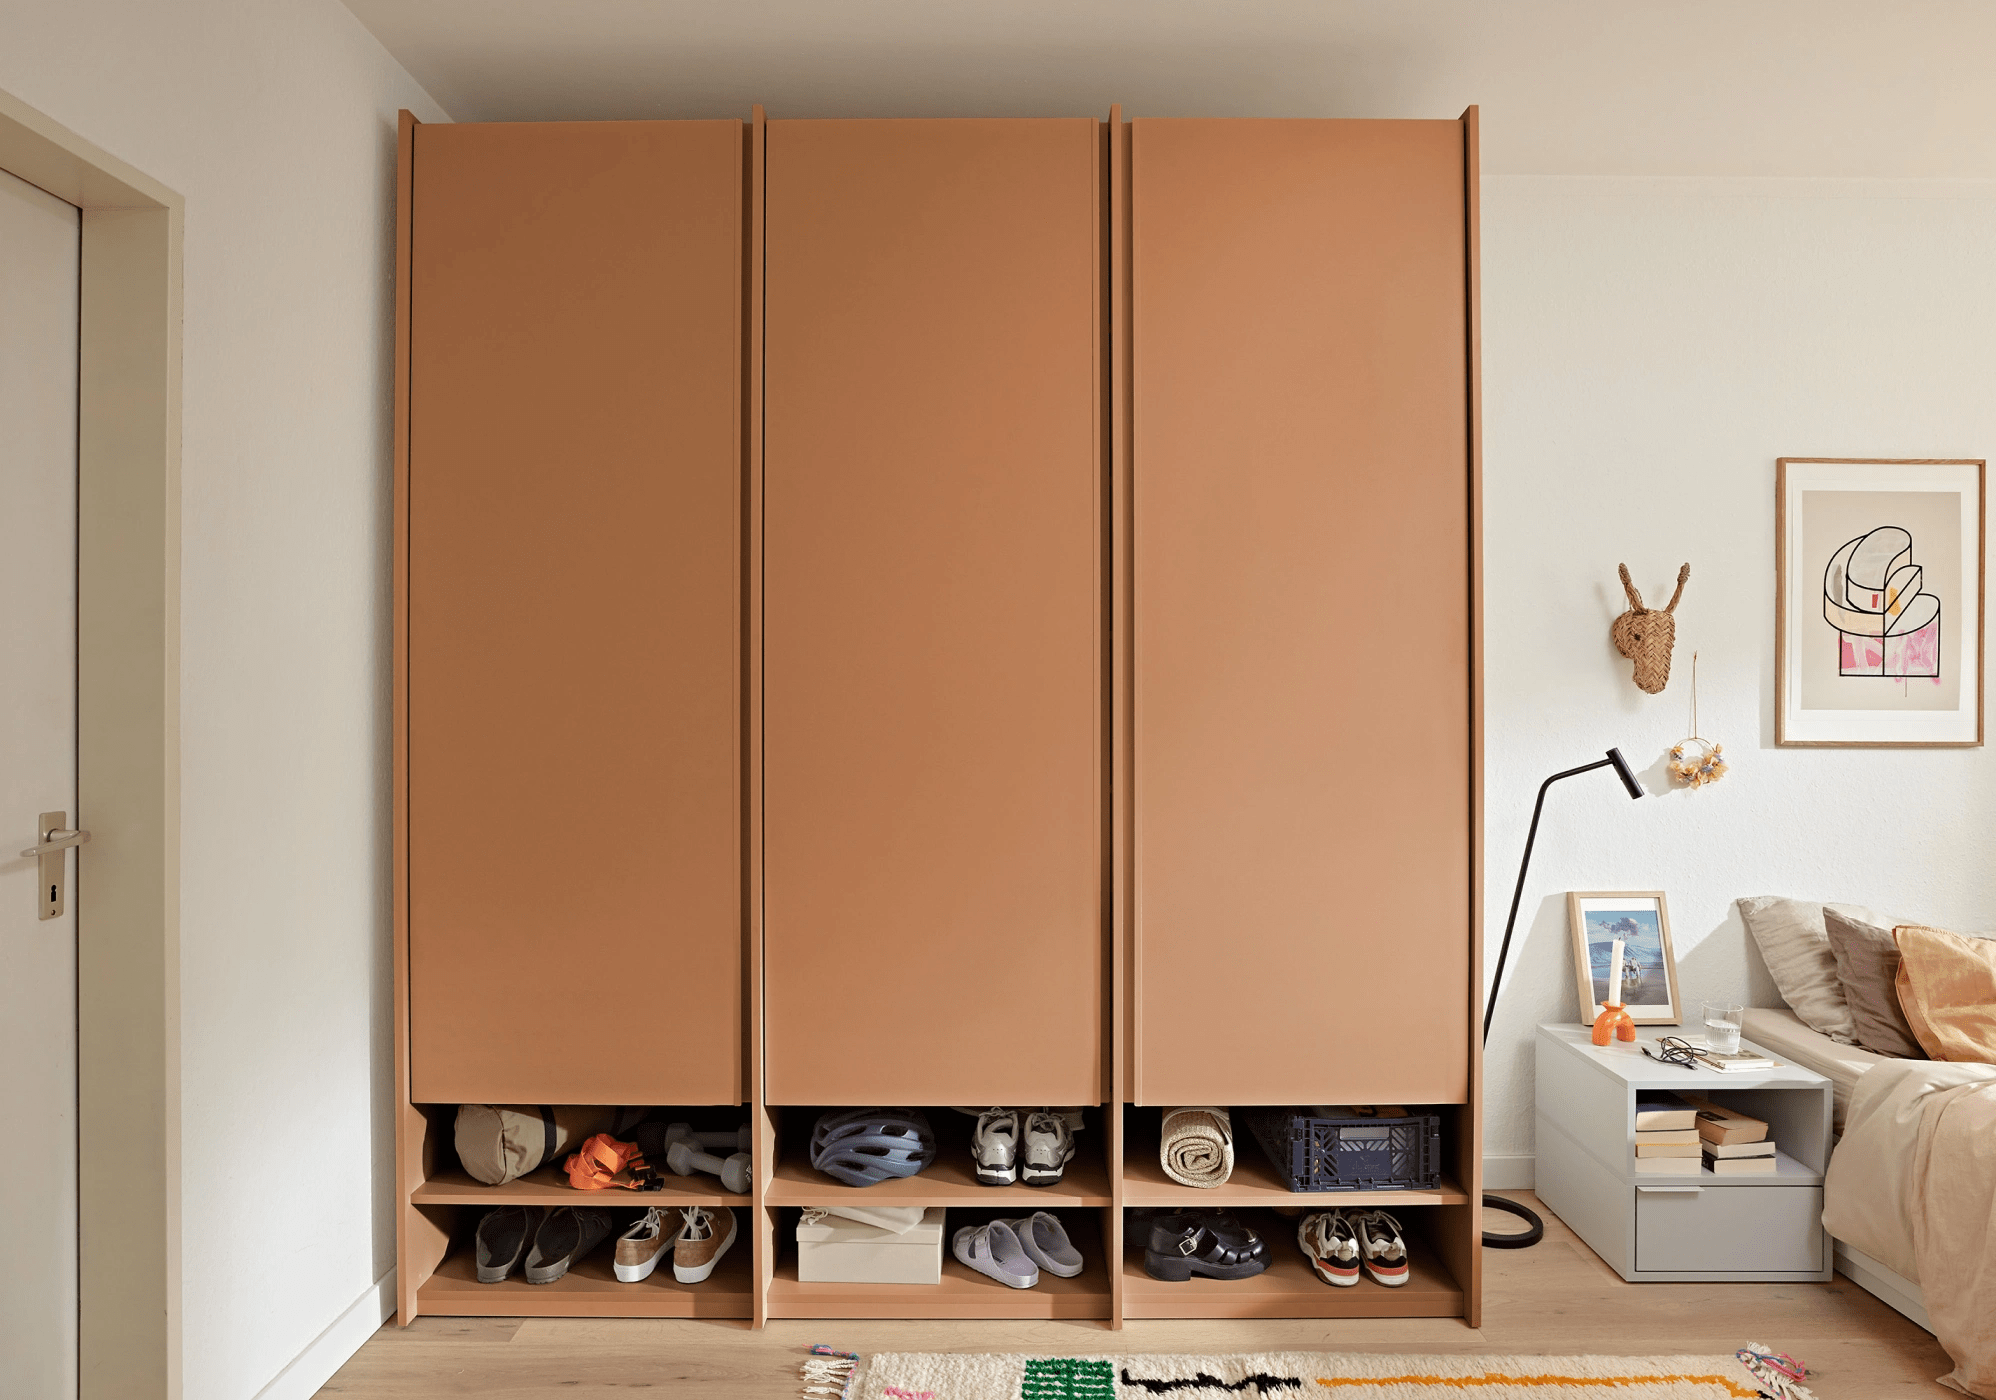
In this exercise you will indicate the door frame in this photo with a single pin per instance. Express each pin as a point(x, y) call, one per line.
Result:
point(127, 886)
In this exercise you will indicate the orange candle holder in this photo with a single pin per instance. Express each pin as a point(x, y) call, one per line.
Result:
point(1613, 1024)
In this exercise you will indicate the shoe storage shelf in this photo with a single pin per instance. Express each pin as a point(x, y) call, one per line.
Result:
point(944, 613)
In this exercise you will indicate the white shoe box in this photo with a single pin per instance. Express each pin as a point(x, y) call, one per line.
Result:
point(832, 1250)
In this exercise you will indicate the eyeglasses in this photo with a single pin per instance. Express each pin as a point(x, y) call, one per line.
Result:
point(1673, 1050)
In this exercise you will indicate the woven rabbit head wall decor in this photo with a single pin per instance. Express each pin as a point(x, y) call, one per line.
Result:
point(1646, 635)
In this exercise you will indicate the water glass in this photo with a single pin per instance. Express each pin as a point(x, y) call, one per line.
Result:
point(1722, 1028)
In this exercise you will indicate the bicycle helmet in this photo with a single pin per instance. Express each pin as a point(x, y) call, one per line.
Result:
point(866, 1146)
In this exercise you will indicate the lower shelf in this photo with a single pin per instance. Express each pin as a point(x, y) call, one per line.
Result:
point(591, 1289)
point(962, 1293)
point(1290, 1288)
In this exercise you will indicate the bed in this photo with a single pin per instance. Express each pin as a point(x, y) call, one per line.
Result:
point(1781, 1032)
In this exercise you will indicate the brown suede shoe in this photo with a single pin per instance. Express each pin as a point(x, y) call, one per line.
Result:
point(703, 1239)
point(646, 1242)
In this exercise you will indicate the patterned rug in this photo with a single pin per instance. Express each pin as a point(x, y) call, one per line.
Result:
point(1291, 1376)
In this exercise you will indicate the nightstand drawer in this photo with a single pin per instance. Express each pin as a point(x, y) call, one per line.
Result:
point(1717, 1229)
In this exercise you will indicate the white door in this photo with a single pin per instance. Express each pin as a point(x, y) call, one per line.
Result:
point(38, 316)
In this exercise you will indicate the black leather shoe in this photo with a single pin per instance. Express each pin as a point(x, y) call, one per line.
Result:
point(1210, 1243)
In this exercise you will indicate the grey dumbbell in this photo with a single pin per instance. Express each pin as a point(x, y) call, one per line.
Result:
point(685, 1160)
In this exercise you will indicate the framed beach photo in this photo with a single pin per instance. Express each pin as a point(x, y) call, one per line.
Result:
point(1649, 967)
point(1879, 569)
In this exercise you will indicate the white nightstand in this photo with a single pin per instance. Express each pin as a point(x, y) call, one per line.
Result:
point(1675, 1229)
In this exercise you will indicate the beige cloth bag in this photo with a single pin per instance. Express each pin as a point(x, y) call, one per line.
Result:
point(497, 1142)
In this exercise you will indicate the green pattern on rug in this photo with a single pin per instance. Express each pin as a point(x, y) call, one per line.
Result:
point(1067, 1378)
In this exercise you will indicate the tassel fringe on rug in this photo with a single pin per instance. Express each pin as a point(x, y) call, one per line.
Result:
point(833, 1375)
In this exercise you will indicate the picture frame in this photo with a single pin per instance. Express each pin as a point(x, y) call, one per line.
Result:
point(1641, 919)
point(1880, 581)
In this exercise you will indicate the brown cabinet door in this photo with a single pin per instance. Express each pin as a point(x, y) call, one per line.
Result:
point(574, 546)
point(1300, 466)
point(932, 643)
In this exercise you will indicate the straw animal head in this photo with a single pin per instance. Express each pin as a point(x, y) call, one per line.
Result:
point(1646, 635)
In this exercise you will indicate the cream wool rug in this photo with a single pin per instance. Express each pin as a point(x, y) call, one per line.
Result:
point(1297, 1376)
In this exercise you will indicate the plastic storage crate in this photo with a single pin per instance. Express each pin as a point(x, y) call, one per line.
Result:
point(1351, 1154)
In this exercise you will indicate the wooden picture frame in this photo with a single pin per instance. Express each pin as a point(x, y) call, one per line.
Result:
point(1838, 520)
point(1592, 918)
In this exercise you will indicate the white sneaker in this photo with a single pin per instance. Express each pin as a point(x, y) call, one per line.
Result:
point(1049, 1147)
point(1331, 1245)
point(994, 1146)
point(1379, 1243)
point(641, 1247)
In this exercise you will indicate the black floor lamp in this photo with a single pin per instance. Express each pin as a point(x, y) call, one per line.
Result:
point(1621, 767)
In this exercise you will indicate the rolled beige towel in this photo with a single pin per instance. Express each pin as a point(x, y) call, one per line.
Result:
point(1198, 1146)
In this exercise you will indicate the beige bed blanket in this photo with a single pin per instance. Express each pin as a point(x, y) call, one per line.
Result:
point(1913, 1184)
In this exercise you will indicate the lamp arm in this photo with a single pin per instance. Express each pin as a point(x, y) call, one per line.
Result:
point(1518, 894)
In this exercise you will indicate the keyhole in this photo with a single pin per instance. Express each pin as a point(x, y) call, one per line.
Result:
point(51, 896)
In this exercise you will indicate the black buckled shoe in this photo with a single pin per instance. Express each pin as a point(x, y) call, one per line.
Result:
point(1211, 1243)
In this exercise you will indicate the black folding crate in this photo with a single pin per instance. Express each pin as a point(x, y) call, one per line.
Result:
point(1351, 1154)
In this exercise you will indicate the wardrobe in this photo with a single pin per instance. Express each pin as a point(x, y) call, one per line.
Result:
point(937, 613)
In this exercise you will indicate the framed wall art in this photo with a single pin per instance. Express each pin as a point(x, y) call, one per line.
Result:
point(1649, 966)
point(1879, 568)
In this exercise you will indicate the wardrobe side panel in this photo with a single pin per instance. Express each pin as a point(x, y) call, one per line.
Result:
point(1300, 471)
point(574, 780)
point(932, 653)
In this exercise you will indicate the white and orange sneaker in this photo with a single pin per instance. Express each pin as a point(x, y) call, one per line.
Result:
point(1331, 1245)
point(1380, 1246)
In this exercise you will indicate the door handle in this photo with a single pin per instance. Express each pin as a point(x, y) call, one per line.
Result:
point(56, 836)
point(57, 839)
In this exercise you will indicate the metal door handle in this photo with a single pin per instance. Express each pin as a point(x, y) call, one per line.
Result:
point(51, 894)
point(57, 840)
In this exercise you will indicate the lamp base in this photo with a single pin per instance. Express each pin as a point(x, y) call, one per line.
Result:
point(1613, 1024)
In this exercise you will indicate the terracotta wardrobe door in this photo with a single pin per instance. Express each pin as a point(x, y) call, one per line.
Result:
point(1300, 467)
point(932, 644)
point(574, 779)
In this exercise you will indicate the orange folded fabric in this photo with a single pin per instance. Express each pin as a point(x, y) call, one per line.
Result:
point(604, 1162)
point(1947, 988)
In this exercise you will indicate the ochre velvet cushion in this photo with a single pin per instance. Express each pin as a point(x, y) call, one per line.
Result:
point(1868, 966)
point(1947, 990)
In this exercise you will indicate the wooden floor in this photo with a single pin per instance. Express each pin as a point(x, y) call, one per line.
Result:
point(1555, 1297)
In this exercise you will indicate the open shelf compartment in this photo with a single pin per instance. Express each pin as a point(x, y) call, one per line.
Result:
point(962, 1293)
point(951, 1180)
point(1253, 1182)
point(1289, 1288)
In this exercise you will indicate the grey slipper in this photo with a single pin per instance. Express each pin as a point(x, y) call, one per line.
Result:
point(502, 1238)
point(994, 1251)
point(1045, 1241)
point(566, 1235)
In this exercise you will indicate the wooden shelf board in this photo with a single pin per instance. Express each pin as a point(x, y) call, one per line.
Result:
point(963, 1293)
point(1787, 1172)
point(1290, 1288)
point(1253, 1182)
point(590, 1289)
point(549, 1187)
point(951, 1180)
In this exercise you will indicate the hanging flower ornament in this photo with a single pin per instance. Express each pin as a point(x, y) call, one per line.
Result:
point(1695, 761)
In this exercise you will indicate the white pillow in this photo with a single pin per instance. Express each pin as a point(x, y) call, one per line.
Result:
point(1796, 948)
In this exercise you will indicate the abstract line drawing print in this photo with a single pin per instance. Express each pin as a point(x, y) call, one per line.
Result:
point(1886, 625)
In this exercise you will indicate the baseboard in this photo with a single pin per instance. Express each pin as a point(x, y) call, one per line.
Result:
point(1509, 1173)
point(330, 1350)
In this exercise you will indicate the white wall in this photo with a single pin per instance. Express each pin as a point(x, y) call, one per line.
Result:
point(1651, 346)
point(275, 119)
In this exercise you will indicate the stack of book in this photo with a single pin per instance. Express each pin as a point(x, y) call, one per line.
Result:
point(1733, 1143)
point(1666, 1135)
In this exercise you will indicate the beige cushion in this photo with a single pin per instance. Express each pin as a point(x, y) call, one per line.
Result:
point(1796, 948)
point(1868, 966)
point(1947, 990)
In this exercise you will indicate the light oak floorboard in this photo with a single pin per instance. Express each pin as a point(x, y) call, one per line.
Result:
point(1557, 1297)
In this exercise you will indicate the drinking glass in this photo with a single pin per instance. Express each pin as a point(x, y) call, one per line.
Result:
point(1722, 1028)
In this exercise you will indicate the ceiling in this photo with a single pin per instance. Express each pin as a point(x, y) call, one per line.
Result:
point(1860, 88)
